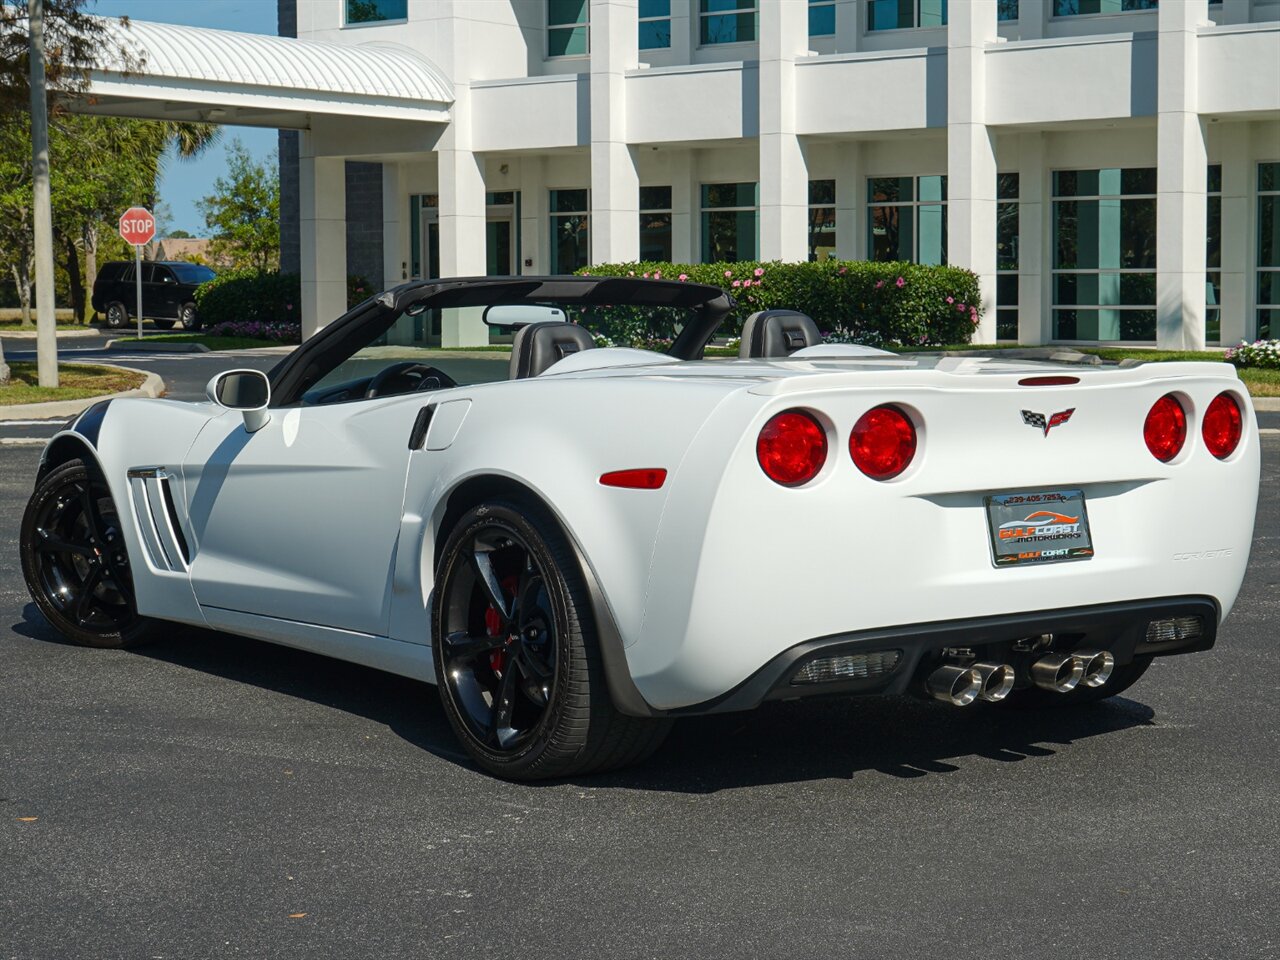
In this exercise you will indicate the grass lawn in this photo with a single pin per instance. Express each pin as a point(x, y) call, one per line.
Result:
point(217, 343)
point(76, 381)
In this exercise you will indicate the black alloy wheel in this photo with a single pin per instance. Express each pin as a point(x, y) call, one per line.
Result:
point(190, 319)
point(75, 562)
point(117, 315)
point(516, 655)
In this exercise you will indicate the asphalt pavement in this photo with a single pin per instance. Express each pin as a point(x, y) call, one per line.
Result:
point(211, 796)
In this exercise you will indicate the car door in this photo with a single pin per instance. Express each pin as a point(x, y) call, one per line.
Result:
point(299, 520)
point(167, 292)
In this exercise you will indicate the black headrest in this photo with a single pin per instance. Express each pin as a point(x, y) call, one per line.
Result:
point(539, 345)
point(777, 333)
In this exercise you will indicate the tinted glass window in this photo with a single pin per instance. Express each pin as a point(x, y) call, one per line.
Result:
point(149, 273)
point(192, 273)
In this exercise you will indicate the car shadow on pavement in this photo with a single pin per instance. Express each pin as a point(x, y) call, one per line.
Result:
point(796, 741)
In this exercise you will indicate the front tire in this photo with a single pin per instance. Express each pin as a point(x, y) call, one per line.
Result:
point(516, 654)
point(117, 315)
point(190, 319)
point(74, 560)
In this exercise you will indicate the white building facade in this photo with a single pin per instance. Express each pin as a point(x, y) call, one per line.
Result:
point(1109, 168)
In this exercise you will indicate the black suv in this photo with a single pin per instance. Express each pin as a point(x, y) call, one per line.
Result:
point(168, 292)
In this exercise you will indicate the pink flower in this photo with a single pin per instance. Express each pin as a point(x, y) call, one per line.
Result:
point(843, 270)
point(586, 273)
point(728, 273)
point(737, 283)
point(683, 276)
point(879, 284)
point(973, 314)
point(657, 274)
point(631, 273)
point(951, 299)
point(288, 306)
point(901, 283)
point(959, 308)
point(759, 271)
point(646, 275)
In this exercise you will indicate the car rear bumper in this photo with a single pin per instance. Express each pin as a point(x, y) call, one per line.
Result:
point(1118, 627)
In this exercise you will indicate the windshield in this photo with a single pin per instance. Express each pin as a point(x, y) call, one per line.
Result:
point(193, 273)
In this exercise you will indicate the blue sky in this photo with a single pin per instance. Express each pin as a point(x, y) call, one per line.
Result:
point(186, 181)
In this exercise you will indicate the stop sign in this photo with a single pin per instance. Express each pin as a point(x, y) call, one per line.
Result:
point(137, 226)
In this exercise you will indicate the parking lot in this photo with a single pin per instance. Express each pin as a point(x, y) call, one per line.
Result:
point(215, 796)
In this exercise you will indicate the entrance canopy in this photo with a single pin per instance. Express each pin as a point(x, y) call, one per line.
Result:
point(163, 71)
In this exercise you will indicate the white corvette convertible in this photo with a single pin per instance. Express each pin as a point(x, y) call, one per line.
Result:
point(612, 538)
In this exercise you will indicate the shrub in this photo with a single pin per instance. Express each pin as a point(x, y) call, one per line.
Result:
point(1261, 353)
point(250, 296)
point(278, 332)
point(853, 301)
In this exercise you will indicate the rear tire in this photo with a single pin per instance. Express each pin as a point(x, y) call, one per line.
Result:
point(516, 653)
point(117, 315)
point(75, 563)
point(190, 319)
point(1122, 678)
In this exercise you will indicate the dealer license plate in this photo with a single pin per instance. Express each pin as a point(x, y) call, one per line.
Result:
point(1045, 527)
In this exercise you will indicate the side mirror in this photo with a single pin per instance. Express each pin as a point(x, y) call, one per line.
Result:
point(248, 391)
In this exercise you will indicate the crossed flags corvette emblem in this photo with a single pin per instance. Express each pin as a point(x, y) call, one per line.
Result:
point(1037, 420)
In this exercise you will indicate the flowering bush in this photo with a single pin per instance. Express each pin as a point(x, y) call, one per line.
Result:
point(1260, 353)
point(267, 297)
point(278, 332)
point(882, 304)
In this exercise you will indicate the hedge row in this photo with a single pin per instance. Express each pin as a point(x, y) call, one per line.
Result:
point(261, 297)
point(851, 300)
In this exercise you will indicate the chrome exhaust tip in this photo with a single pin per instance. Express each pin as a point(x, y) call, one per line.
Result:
point(997, 680)
point(1059, 672)
point(1098, 666)
point(958, 686)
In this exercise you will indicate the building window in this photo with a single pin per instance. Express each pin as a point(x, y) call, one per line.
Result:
point(726, 21)
point(1213, 258)
point(1076, 8)
point(1104, 254)
point(1007, 10)
point(655, 24)
point(1007, 256)
point(655, 224)
point(1268, 250)
point(568, 28)
point(376, 11)
point(822, 18)
point(907, 219)
point(902, 14)
point(570, 230)
point(822, 220)
point(730, 222)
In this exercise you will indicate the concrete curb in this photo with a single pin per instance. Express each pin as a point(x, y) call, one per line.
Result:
point(153, 386)
point(1267, 404)
point(155, 346)
point(63, 333)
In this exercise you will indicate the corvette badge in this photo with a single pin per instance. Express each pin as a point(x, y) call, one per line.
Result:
point(1039, 421)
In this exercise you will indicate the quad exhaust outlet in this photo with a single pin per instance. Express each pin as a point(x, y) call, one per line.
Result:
point(1059, 672)
point(963, 684)
point(997, 680)
point(958, 686)
point(1098, 666)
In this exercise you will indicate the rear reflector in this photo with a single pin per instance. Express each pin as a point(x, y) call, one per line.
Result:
point(854, 666)
point(1047, 381)
point(647, 479)
point(1222, 426)
point(1178, 628)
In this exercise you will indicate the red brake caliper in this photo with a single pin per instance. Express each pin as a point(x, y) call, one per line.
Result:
point(493, 626)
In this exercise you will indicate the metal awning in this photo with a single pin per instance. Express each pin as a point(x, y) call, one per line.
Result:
point(221, 76)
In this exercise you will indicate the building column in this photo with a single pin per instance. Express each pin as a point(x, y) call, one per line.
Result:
point(534, 215)
point(322, 220)
point(1238, 231)
point(1181, 164)
point(971, 155)
point(851, 191)
point(1035, 280)
point(686, 205)
point(462, 220)
point(615, 181)
point(395, 226)
point(784, 172)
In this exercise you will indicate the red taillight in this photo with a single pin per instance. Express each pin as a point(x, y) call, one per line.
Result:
point(1222, 426)
point(883, 442)
point(792, 448)
point(648, 479)
point(1166, 428)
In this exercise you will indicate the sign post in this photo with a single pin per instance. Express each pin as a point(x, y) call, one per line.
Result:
point(138, 227)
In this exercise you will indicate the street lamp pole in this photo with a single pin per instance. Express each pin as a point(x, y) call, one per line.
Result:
point(46, 320)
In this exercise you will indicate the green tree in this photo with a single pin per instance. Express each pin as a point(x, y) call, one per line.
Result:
point(243, 212)
point(178, 235)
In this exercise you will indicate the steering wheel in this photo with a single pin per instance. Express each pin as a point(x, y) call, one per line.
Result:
point(428, 378)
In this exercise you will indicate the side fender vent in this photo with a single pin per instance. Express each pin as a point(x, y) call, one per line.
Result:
point(157, 516)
